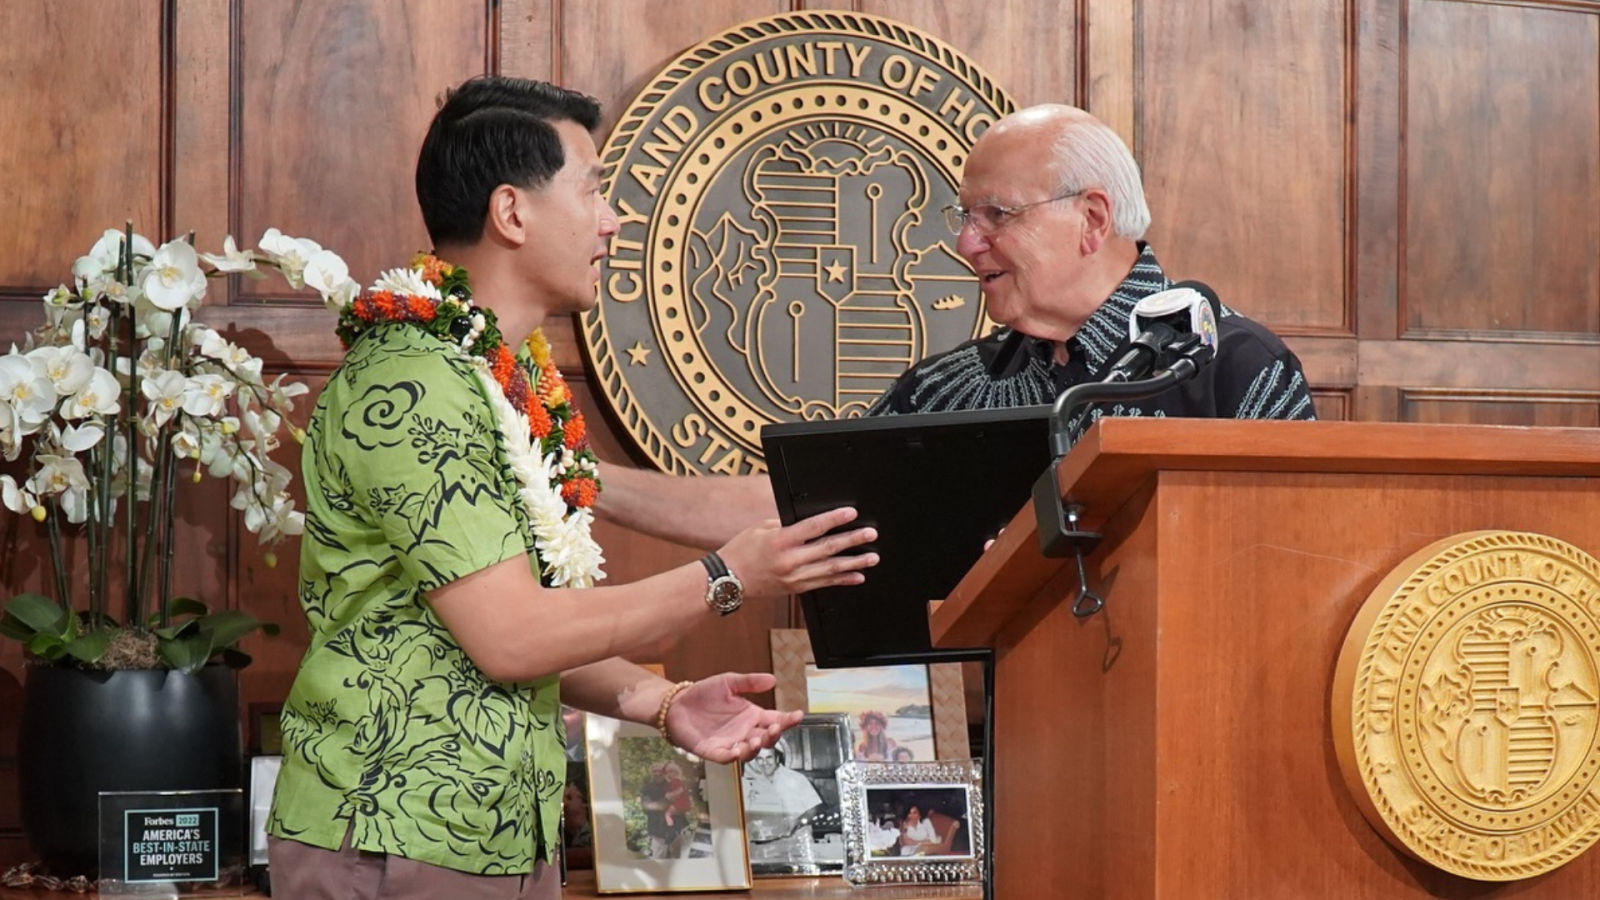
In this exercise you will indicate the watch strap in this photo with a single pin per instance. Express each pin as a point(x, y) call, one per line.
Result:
point(715, 567)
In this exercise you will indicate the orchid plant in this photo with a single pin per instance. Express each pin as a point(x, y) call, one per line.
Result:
point(118, 397)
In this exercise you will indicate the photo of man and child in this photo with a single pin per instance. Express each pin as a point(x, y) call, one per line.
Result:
point(664, 806)
point(927, 822)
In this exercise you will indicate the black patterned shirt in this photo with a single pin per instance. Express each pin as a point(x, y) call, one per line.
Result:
point(389, 730)
point(1254, 376)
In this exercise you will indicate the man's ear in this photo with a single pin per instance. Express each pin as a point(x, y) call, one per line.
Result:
point(1096, 221)
point(508, 218)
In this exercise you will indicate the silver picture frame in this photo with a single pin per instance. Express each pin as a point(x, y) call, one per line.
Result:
point(913, 823)
point(792, 813)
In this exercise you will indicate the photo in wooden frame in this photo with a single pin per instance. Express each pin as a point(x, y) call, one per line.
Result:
point(859, 693)
point(662, 819)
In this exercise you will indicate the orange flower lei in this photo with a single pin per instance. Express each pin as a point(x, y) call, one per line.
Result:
point(540, 392)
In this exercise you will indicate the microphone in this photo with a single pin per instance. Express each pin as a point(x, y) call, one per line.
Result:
point(1165, 327)
point(1173, 335)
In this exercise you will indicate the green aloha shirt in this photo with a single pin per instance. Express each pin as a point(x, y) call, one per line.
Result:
point(390, 732)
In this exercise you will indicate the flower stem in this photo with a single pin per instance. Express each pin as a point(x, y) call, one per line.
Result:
point(131, 495)
point(167, 544)
point(53, 526)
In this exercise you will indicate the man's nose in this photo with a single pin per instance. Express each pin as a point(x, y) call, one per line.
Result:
point(970, 242)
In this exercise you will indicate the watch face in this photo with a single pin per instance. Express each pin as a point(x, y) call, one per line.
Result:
point(726, 594)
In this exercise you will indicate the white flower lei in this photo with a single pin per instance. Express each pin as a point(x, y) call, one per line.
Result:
point(567, 553)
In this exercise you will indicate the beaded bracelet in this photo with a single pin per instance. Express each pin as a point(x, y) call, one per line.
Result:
point(666, 704)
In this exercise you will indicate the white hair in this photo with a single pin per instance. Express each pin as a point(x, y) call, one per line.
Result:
point(1089, 154)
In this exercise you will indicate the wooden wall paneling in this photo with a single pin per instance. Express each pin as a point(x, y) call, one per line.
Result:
point(527, 38)
point(1480, 364)
point(82, 148)
point(1107, 63)
point(1490, 407)
point(1502, 170)
point(1332, 404)
point(612, 48)
point(1243, 142)
point(1373, 257)
point(1029, 49)
point(201, 85)
point(1329, 362)
point(332, 103)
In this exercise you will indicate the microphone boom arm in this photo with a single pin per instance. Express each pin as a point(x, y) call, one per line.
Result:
point(1058, 532)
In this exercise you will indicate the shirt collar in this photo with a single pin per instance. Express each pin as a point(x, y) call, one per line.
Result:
point(1107, 329)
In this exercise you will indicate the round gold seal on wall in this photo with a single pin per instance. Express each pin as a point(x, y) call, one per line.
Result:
point(1466, 705)
point(782, 254)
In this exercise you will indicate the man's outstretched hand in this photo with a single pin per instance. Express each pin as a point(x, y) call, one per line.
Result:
point(713, 720)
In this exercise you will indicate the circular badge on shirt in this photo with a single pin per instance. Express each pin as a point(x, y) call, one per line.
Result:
point(783, 253)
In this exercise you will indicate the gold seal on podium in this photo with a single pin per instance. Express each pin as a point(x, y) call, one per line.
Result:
point(782, 254)
point(1466, 705)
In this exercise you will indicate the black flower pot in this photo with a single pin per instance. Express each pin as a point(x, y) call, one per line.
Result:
point(142, 730)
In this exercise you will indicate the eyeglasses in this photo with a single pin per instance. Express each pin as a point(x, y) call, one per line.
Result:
point(989, 217)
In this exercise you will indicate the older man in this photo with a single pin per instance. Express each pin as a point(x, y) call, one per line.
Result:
point(1051, 218)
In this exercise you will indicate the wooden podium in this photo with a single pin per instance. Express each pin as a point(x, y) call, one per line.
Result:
point(1177, 744)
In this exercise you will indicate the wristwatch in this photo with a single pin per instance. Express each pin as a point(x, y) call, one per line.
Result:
point(724, 591)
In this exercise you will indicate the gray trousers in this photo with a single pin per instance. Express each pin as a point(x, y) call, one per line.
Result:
point(303, 872)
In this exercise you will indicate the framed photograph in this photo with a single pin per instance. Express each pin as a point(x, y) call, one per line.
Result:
point(912, 822)
point(264, 734)
point(909, 713)
point(576, 838)
point(791, 800)
point(661, 819)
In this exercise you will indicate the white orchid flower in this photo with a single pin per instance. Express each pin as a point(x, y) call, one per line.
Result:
point(186, 443)
point(282, 395)
point(165, 393)
point(98, 396)
point(111, 290)
point(232, 259)
point(289, 254)
point(264, 426)
point(26, 388)
point(275, 476)
point(78, 438)
point(237, 359)
point(330, 277)
point(227, 463)
point(406, 281)
point(61, 298)
point(63, 476)
point(67, 367)
point(206, 395)
point(16, 497)
point(173, 279)
point(279, 521)
point(154, 323)
point(95, 321)
point(102, 257)
point(10, 441)
point(152, 362)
